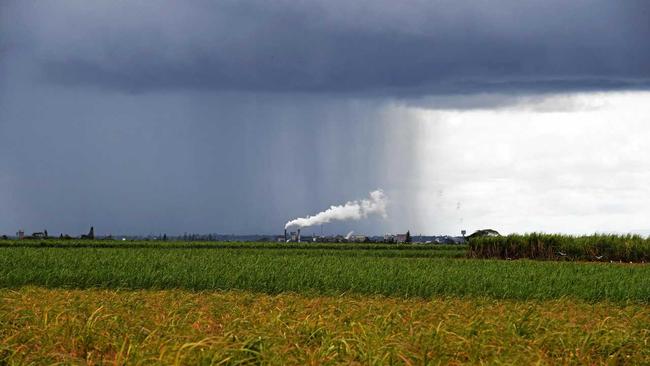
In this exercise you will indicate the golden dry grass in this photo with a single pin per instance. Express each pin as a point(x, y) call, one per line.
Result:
point(44, 326)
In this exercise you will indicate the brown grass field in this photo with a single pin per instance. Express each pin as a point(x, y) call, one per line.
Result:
point(46, 326)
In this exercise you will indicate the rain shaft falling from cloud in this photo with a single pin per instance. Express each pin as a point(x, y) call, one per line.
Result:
point(352, 210)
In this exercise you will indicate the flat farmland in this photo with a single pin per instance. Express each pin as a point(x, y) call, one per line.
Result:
point(266, 303)
point(179, 327)
point(400, 272)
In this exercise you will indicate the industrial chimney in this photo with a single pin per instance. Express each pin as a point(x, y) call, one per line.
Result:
point(298, 235)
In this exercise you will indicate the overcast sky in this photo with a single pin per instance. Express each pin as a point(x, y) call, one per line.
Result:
point(237, 116)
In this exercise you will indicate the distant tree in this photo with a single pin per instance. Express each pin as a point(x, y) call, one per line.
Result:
point(91, 234)
point(408, 237)
point(484, 232)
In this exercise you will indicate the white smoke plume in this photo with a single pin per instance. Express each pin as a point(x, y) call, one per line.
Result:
point(347, 237)
point(353, 210)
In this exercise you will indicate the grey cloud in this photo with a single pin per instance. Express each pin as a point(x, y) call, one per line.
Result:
point(366, 48)
point(187, 162)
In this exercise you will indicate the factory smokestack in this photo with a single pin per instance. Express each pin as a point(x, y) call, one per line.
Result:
point(285, 235)
point(353, 210)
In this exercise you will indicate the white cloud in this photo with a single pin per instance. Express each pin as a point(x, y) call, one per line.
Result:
point(577, 165)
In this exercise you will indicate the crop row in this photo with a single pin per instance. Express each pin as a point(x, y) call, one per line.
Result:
point(626, 248)
point(75, 243)
point(172, 327)
point(324, 272)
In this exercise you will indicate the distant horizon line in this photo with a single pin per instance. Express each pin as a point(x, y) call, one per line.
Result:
point(642, 232)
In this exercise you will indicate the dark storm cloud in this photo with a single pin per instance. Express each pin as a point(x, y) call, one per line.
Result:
point(364, 48)
point(176, 162)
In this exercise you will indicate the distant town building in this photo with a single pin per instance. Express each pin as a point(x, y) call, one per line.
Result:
point(40, 235)
point(400, 238)
point(359, 238)
point(294, 236)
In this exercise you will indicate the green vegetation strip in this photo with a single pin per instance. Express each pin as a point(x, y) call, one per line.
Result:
point(321, 272)
point(176, 327)
point(54, 243)
point(599, 248)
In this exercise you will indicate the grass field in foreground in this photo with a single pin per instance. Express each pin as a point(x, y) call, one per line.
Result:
point(168, 327)
point(404, 273)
